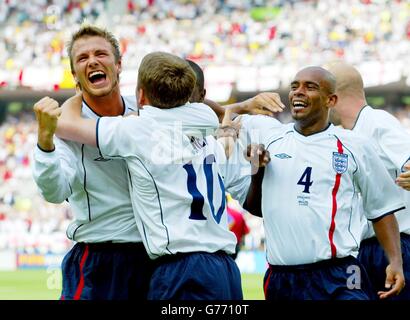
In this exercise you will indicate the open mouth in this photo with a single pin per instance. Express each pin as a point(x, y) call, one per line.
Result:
point(97, 77)
point(299, 105)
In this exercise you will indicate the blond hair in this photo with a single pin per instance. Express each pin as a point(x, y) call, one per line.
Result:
point(166, 79)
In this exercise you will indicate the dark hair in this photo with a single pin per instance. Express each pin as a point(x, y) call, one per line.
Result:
point(200, 79)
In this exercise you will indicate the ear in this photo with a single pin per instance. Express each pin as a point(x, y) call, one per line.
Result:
point(203, 95)
point(141, 99)
point(77, 83)
point(74, 76)
point(119, 66)
point(331, 100)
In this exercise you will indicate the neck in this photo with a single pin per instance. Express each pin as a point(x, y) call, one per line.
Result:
point(350, 108)
point(109, 105)
point(307, 129)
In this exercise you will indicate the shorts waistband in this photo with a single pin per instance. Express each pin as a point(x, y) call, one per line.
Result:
point(316, 265)
point(180, 255)
point(109, 245)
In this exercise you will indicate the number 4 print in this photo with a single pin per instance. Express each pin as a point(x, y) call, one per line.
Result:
point(305, 179)
point(197, 198)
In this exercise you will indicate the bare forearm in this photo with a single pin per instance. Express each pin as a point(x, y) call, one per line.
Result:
point(387, 232)
point(238, 107)
point(81, 130)
point(233, 109)
point(253, 202)
point(217, 108)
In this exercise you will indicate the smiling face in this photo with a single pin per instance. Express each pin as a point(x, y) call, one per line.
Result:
point(94, 66)
point(311, 95)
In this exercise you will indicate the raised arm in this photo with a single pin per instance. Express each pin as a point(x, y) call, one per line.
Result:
point(47, 113)
point(217, 108)
point(71, 126)
point(265, 103)
point(54, 168)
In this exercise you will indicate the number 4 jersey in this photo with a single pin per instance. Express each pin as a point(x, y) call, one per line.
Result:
point(176, 187)
point(310, 191)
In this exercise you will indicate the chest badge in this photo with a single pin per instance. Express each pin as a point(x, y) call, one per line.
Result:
point(340, 162)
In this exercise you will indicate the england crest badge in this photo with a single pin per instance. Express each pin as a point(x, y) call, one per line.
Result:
point(340, 162)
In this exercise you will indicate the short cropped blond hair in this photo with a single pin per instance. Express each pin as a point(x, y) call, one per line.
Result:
point(166, 79)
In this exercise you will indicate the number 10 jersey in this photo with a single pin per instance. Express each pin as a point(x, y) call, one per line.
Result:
point(176, 186)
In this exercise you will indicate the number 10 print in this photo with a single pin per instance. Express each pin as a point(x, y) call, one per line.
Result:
point(197, 198)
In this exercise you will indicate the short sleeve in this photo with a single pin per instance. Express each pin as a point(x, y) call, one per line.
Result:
point(258, 129)
point(380, 195)
point(394, 142)
point(125, 136)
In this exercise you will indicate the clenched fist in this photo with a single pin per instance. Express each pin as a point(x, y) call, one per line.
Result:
point(47, 111)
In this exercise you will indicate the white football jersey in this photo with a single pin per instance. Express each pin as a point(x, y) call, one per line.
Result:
point(310, 192)
point(176, 189)
point(96, 189)
point(392, 143)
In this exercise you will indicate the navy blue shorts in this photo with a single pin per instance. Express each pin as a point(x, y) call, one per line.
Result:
point(333, 279)
point(106, 271)
point(196, 276)
point(372, 256)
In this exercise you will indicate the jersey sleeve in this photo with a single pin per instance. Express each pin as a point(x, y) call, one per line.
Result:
point(122, 137)
point(54, 172)
point(394, 142)
point(380, 195)
point(257, 129)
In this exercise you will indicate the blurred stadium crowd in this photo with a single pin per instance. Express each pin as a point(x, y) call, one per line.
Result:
point(257, 44)
point(220, 35)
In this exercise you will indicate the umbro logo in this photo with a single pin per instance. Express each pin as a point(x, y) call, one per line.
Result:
point(101, 159)
point(282, 156)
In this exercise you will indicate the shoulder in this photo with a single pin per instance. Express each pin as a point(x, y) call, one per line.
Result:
point(128, 123)
point(350, 137)
point(378, 117)
point(258, 121)
point(197, 109)
point(197, 106)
